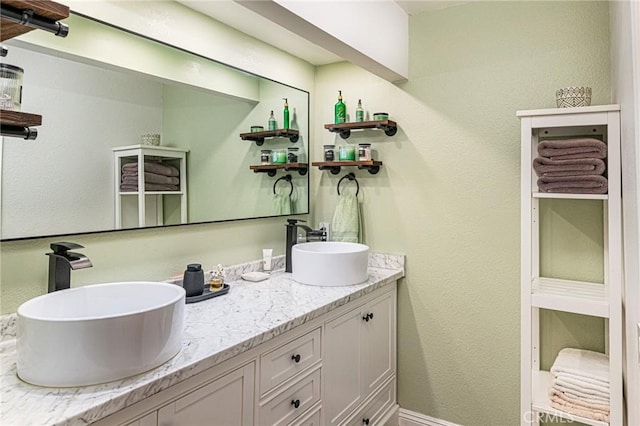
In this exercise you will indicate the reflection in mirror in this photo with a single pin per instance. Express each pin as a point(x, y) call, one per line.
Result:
point(97, 103)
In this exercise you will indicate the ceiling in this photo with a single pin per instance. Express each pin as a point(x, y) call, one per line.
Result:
point(249, 22)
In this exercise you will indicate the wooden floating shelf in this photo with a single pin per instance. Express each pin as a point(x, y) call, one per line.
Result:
point(344, 129)
point(17, 118)
point(259, 137)
point(42, 8)
point(372, 166)
point(272, 169)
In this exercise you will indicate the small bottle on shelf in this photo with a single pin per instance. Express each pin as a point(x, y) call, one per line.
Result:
point(359, 112)
point(340, 110)
point(272, 122)
point(285, 122)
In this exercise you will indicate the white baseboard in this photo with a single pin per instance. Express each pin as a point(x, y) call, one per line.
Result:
point(412, 418)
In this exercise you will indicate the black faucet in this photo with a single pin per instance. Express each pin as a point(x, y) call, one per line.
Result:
point(61, 262)
point(292, 237)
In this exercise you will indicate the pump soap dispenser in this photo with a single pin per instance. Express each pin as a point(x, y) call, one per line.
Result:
point(340, 110)
point(285, 123)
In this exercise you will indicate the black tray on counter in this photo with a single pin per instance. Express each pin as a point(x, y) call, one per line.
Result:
point(208, 294)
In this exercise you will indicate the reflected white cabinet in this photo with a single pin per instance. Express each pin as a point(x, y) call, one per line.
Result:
point(157, 154)
point(359, 356)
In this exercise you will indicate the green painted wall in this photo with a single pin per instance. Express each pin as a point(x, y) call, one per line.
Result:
point(448, 193)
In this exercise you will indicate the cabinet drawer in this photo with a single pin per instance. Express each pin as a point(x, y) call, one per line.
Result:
point(312, 418)
point(288, 360)
point(374, 410)
point(295, 400)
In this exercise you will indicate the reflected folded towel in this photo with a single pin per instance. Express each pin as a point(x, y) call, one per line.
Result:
point(160, 169)
point(132, 177)
point(568, 149)
point(345, 225)
point(585, 166)
point(581, 363)
point(127, 187)
point(587, 184)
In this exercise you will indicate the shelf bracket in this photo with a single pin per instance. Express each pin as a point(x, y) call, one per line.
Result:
point(301, 170)
point(27, 18)
point(333, 169)
point(26, 133)
point(371, 169)
point(388, 130)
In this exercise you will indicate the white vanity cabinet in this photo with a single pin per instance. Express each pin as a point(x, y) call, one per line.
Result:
point(359, 357)
point(225, 401)
point(339, 368)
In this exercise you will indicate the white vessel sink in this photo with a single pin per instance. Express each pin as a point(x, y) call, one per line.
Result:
point(98, 333)
point(330, 263)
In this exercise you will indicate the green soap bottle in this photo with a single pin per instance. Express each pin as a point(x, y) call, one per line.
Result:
point(340, 110)
point(285, 122)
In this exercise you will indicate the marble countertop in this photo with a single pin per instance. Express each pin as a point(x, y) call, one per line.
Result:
point(216, 330)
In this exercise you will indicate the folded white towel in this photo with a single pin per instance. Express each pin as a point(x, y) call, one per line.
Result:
point(592, 397)
point(582, 364)
point(582, 383)
point(562, 397)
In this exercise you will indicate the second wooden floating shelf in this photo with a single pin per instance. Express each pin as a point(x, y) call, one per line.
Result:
point(272, 169)
point(372, 166)
point(344, 129)
point(259, 137)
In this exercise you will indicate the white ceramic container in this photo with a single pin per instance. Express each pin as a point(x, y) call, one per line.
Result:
point(330, 263)
point(98, 333)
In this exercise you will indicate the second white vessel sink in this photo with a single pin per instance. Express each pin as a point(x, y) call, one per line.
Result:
point(330, 263)
point(98, 333)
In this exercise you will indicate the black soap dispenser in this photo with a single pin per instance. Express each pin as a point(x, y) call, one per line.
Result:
point(193, 280)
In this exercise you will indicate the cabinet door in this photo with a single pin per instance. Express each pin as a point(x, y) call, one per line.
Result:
point(341, 366)
point(150, 419)
point(378, 342)
point(225, 401)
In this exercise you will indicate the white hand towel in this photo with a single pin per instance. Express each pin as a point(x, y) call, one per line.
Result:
point(583, 364)
point(346, 220)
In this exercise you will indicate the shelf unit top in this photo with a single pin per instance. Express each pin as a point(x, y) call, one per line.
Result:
point(560, 111)
point(373, 124)
point(151, 193)
point(143, 148)
point(43, 8)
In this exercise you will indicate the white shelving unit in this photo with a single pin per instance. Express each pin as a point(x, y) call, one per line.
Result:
point(138, 153)
point(538, 292)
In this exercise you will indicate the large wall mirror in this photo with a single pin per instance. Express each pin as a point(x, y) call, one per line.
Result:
point(99, 95)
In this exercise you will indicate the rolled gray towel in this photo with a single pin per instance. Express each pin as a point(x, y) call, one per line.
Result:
point(586, 166)
point(588, 184)
point(132, 177)
point(157, 168)
point(570, 149)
